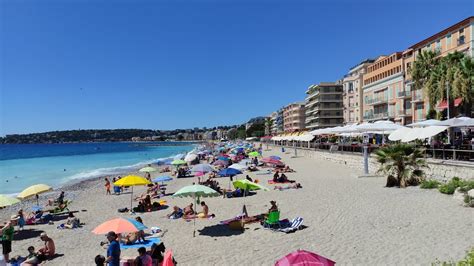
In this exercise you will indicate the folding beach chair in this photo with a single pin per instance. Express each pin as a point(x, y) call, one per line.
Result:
point(295, 225)
point(273, 220)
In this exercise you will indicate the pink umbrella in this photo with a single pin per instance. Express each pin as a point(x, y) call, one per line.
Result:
point(272, 161)
point(199, 174)
point(303, 258)
point(168, 258)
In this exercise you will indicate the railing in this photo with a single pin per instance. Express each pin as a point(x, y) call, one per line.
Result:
point(376, 100)
point(405, 112)
point(461, 153)
point(403, 94)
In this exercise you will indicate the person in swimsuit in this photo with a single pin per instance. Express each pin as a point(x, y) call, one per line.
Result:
point(107, 186)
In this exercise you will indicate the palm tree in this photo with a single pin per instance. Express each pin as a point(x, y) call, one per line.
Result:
point(402, 164)
point(422, 74)
point(463, 83)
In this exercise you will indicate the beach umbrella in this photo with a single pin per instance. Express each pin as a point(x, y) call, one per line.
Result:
point(119, 226)
point(7, 201)
point(199, 174)
point(229, 172)
point(272, 161)
point(275, 157)
point(34, 191)
point(303, 257)
point(203, 167)
point(131, 181)
point(426, 123)
point(238, 166)
point(178, 162)
point(195, 192)
point(222, 158)
point(220, 162)
point(164, 161)
point(248, 185)
point(399, 133)
point(162, 179)
point(190, 157)
point(147, 169)
point(457, 122)
point(168, 258)
point(254, 154)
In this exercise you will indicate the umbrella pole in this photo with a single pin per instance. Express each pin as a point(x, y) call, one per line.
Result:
point(131, 201)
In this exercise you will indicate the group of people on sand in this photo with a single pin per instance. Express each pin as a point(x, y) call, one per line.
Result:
point(281, 178)
point(33, 257)
point(154, 256)
point(189, 213)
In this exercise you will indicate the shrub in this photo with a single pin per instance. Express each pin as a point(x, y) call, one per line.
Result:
point(466, 186)
point(468, 260)
point(429, 184)
point(451, 186)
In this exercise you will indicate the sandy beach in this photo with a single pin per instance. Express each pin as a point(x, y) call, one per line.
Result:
point(353, 221)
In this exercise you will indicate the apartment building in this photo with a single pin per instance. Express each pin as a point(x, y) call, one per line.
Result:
point(277, 118)
point(324, 105)
point(294, 117)
point(458, 37)
point(353, 94)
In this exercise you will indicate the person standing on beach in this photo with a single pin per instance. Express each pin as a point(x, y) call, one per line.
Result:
point(107, 186)
point(7, 232)
point(113, 251)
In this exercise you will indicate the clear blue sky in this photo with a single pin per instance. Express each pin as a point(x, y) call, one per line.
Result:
point(181, 64)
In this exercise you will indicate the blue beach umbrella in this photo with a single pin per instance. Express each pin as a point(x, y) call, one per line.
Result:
point(229, 172)
point(162, 179)
point(275, 157)
point(223, 158)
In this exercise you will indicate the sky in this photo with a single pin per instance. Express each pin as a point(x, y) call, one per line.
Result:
point(85, 64)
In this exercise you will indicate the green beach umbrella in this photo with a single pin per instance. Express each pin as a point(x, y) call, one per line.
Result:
point(7, 201)
point(254, 154)
point(147, 169)
point(178, 162)
point(195, 192)
point(248, 185)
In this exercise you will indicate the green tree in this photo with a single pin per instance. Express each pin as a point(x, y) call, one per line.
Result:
point(268, 125)
point(422, 74)
point(402, 164)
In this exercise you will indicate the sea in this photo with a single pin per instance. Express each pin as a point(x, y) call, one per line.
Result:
point(23, 165)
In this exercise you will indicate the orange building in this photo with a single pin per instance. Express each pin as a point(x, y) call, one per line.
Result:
point(458, 37)
point(382, 88)
point(294, 117)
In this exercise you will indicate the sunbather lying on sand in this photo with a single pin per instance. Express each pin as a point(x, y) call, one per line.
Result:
point(290, 186)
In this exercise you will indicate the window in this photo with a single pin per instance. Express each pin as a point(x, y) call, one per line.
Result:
point(461, 40)
point(448, 40)
point(438, 46)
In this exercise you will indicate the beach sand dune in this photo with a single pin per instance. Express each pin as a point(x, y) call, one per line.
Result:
point(353, 221)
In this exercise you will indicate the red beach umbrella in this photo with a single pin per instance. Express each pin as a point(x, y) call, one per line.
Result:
point(272, 161)
point(303, 258)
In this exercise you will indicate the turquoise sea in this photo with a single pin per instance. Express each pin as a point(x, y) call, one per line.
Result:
point(22, 165)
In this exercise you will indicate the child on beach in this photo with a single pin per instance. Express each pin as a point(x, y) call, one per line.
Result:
point(107, 186)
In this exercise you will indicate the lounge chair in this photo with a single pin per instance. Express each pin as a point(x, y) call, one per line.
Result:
point(295, 225)
point(273, 220)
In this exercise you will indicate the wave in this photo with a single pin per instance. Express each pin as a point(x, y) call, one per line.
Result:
point(102, 172)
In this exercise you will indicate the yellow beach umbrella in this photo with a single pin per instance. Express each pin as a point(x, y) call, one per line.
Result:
point(7, 201)
point(34, 191)
point(131, 181)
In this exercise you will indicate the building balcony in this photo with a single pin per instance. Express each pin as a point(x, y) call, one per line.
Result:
point(328, 100)
point(407, 112)
point(375, 101)
point(404, 94)
point(417, 97)
point(379, 116)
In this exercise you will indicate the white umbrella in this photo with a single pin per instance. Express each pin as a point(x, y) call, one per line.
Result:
point(412, 135)
point(428, 132)
point(190, 157)
point(426, 123)
point(238, 166)
point(457, 122)
point(399, 133)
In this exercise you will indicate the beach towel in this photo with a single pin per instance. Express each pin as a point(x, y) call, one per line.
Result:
point(148, 243)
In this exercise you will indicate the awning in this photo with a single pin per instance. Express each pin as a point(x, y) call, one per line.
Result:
point(444, 104)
